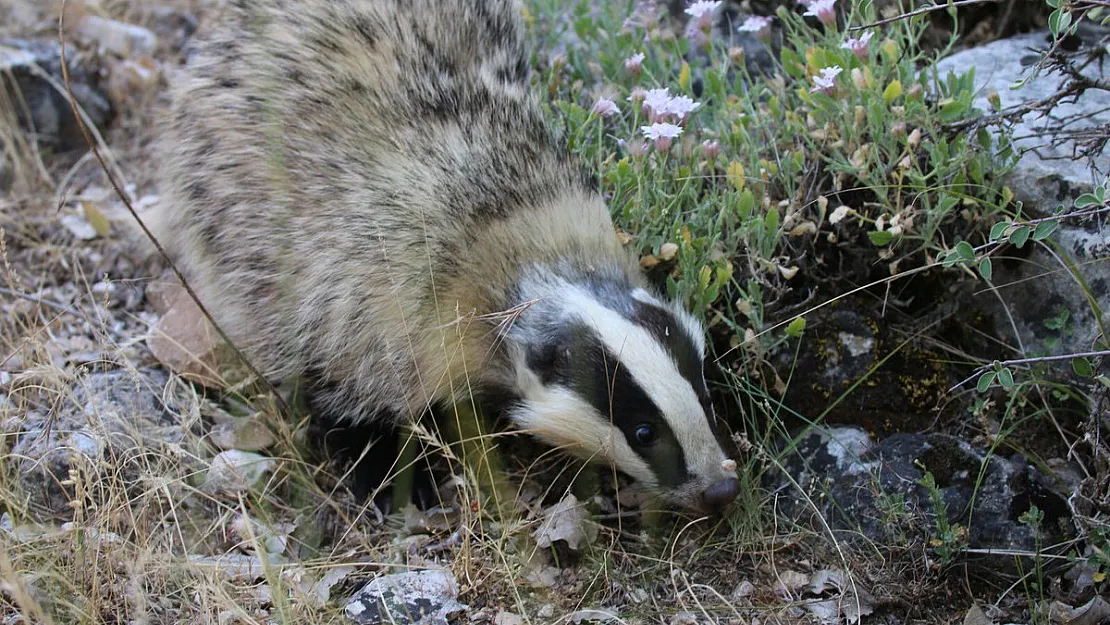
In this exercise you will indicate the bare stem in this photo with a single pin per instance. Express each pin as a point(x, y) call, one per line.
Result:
point(923, 11)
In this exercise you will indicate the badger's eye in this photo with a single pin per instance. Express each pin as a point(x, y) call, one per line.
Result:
point(645, 434)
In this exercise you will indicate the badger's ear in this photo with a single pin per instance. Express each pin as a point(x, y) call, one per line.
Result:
point(548, 356)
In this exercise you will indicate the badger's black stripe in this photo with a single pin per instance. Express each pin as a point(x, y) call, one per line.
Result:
point(671, 334)
point(581, 362)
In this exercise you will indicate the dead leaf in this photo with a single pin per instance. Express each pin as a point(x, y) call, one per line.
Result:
point(1093, 612)
point(566, 521)
point(667, 251)
point(790, 581)
point(976, 616)
point(826, 579)
point(96, 219)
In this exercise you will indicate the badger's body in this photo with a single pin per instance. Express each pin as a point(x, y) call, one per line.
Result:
point(365, 194)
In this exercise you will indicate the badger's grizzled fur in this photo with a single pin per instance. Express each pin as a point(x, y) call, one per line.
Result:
point(365, 191)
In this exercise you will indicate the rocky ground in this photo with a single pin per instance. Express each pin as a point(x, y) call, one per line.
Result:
point(138, 484)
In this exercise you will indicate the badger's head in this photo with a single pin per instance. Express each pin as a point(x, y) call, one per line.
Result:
point(608, 371)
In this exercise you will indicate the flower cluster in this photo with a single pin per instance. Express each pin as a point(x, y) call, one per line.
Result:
point(826, 82)
point(662, 134)
point(761, 26)
point(635, 63)
point(824, 10)
point(659, 104)
point(859, 46)
point(605, 107)
point(702, 13)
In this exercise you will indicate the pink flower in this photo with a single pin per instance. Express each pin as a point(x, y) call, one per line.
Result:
point(702, 12)
point(605, 107)
point(761, 26)
point(680, 106)
point(824, 10)
point(634, 63)
point(662, 134)
point(656, 102)
point(826, 82)
point(637, 95)
point(858, 46)
point(711, 149)
point(643, 16)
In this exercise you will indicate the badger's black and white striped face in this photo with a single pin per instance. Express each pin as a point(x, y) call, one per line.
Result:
point(619, 375)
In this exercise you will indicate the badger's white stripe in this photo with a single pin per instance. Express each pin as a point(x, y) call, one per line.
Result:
point(689, 323)
point(652, 367)
point(561, 418)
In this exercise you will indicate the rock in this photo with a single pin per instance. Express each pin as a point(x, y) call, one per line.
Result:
point(591, 616)
point(415, 598)
point(237, 567)
point(114, 37)
point(34, 65)
point(1050, 311)
point(508, 618)
point(1050, 175)
point(850, 341)
point(234, 472)
point(743, 591)
point(111, 420)
point(242, 433)
point(877, 488)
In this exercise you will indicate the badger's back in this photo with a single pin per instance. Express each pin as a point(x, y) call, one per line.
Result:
point(344, 178)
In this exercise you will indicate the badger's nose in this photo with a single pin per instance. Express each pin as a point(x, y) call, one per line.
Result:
point(721, 493)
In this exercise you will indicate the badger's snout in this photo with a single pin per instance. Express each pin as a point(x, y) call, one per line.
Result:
point(721, 493)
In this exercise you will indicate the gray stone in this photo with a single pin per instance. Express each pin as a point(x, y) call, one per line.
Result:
point(233, 472)
point(414, 598)
point(36, 67)
point(1050, 312)
point(109, 419)
point(877, 488)
point(1046, 174)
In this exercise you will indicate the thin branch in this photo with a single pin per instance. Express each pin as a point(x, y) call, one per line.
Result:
point(40, 300)
point(924, 10)
point(1024, 361)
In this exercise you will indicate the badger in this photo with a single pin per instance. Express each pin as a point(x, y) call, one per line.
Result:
point(366, 196)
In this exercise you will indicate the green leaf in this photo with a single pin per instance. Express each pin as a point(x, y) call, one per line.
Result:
point(745, 204)
point(985, 381)
point(1045, 230)
point(771, 221)
point(1087, 200)
point(946, 203)
point(796, 327)
point(1058, 22)
point(1020, 235)
point(966, 252)
point(985, 268)
point(998, 231)
point(880, 237)
point(1082, 366)
point(1006, 378)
